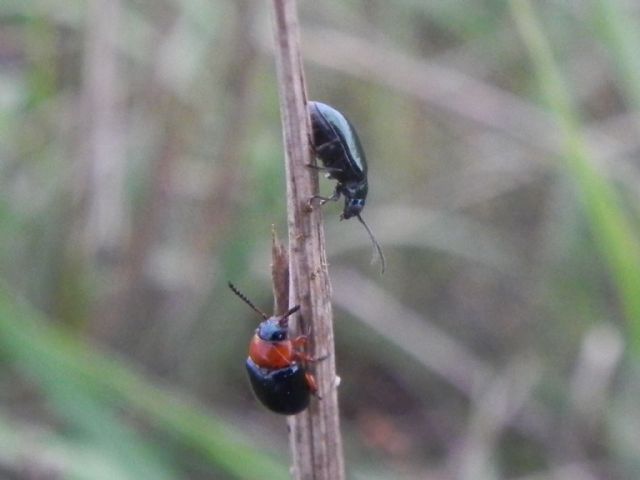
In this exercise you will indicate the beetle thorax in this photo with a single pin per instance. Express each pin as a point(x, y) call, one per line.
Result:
point(271, 355)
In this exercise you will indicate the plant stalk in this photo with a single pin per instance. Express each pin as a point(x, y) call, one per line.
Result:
point(315, 439)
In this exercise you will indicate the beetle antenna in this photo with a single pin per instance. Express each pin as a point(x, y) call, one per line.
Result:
point(247, 301)
point(284, 319)
point(376, 245)
point(291, 311)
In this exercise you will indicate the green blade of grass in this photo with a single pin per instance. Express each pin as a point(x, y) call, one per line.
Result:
point(611, 228)
point(622, 38)
point(99, 425)
point(22, 443)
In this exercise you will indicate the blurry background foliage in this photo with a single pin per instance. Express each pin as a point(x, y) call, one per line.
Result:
point(141, 168)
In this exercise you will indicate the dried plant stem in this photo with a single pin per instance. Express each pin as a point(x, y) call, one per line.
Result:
point(279, 274)
point(102, 183)
point(315, 433)
point(104, 151)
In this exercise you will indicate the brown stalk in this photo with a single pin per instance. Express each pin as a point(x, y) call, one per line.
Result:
point(103, 159)
point(315, 439)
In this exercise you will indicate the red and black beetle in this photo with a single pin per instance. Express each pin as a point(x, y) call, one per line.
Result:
point(276, 365)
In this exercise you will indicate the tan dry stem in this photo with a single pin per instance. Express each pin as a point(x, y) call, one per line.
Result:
point(315, 438)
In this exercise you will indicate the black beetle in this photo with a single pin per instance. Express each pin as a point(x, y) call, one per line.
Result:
point(336, 143)
point(277, 366)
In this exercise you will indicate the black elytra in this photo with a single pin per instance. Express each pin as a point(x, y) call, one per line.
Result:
point(283, 391)
point(337, 146)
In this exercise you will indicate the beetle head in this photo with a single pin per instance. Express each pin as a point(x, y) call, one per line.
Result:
point(354, 198)
point(352, 207)
point(271, 330)
point(276, 329)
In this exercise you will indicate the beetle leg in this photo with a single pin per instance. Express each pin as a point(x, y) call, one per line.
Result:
point(299, 341)
point(312, 144)
point(327, 149)
point(311, 380)
point(308, 359)
point(320, 358)
point(333, 198)
point(299, 355)
point(325, 169)
point(330, 171)
point(313, 386)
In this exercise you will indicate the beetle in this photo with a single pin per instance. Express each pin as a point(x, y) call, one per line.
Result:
point(277, 365)
point(336, 144)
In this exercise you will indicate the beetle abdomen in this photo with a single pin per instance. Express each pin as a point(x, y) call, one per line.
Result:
point(337, 143)
point(284, 390)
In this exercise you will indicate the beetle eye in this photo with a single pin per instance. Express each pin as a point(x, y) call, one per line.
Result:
point(353, 207)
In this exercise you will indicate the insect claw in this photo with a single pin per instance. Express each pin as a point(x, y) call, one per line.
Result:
point(321, 358)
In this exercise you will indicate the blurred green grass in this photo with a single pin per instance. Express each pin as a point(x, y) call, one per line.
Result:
point(88, 388)
point(613, 230)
